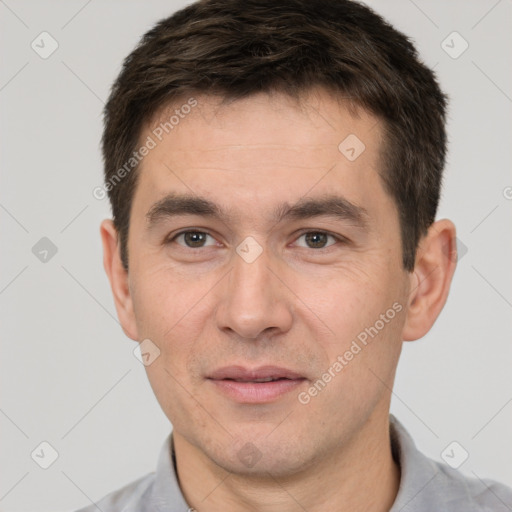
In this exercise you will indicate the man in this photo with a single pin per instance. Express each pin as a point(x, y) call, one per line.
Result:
point(274, 170)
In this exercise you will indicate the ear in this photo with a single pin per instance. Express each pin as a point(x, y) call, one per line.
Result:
point(118, 278)
point(436, 260)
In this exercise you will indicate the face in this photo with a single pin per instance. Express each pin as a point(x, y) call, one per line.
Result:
point(290, 268)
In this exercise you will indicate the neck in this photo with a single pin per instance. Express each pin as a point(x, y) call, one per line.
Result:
point(361, 477)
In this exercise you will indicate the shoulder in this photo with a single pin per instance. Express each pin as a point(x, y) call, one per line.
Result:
point(128, 498)
point(427, 484)
point(484, 494)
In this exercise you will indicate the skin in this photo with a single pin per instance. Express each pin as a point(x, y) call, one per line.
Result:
point(297, 305)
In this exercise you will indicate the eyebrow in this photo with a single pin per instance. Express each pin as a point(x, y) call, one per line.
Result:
point(329, 205)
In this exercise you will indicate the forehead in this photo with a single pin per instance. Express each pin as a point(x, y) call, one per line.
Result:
point(314, 120)
point(262, 150)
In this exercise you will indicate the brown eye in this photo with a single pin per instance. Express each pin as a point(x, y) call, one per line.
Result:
point(192, 239)
point(317, 239)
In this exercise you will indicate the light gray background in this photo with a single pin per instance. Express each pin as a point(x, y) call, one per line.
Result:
point(68, 374)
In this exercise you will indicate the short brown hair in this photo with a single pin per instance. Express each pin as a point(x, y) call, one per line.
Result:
point(235, 48)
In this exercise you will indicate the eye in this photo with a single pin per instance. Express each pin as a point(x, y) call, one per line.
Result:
point(197, 239)
point(317, 239)
point(192, 239)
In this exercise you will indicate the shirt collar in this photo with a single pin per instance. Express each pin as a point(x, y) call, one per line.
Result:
point(424, 486)
point(166, 494)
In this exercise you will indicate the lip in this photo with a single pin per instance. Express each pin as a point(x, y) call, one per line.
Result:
point(237, 382)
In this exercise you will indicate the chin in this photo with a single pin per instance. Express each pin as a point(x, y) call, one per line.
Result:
point(262, 459)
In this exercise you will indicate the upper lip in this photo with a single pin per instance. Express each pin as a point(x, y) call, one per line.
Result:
point(249, 374)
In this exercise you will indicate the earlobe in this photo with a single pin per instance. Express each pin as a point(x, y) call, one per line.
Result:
point(431, 279)
point(118, 278)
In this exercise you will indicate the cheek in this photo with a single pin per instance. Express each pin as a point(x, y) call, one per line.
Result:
point(365, 318)
point(361, 357)
point(347, 299)
point(175, 313)
point(162, 299)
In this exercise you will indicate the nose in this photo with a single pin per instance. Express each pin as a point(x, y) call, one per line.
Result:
point(254, 300)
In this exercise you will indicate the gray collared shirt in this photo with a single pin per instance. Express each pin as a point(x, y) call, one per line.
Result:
point(425, 485)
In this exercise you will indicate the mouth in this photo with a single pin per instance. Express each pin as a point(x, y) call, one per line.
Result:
point(259, 385)
point(266, 379)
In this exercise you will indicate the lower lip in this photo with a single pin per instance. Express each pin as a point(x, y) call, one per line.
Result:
point(256, 392)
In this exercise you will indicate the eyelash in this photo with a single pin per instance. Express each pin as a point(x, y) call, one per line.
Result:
point(337, 238)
